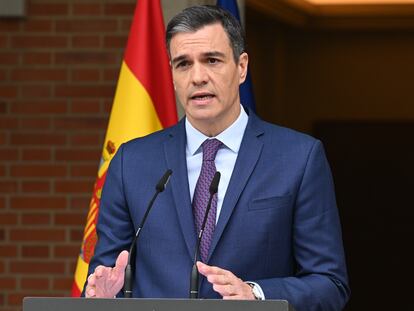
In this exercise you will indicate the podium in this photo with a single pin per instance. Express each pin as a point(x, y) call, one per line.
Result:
point(143, 304)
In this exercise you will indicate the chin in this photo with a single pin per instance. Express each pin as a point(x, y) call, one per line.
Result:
point(203, 116)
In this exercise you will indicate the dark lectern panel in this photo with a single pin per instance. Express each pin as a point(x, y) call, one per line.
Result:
point(82, 304)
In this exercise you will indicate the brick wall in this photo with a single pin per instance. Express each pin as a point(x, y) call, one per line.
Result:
point(58, 71)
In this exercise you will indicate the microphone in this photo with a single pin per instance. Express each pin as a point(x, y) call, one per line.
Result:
point(194, 271)
point(128, 270)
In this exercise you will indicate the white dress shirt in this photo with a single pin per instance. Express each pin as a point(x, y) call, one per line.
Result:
point(225, 159)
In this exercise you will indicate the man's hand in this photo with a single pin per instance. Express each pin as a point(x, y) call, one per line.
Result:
point(226, 283)
point(106, 282)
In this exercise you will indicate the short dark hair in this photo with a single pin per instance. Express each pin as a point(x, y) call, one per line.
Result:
point(196, 17)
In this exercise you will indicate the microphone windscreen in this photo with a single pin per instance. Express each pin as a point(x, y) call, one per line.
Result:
point(163, 181)
point(214, 183)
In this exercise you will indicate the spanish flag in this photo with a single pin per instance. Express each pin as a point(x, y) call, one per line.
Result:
point(144, 102)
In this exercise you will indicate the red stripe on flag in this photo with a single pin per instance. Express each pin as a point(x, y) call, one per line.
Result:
point(146, 56)
point(75, 290)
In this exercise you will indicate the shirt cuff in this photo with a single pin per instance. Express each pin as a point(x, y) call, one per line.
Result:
point(259, 289)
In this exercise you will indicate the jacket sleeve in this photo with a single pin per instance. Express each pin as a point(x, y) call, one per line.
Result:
point(320, 282)
point(114, 227)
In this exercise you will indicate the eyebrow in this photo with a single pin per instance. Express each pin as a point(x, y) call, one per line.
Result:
point(179, 58)
point(214, 54)
point(206, 55)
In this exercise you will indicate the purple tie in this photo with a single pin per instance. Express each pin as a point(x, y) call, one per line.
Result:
point(202, 195)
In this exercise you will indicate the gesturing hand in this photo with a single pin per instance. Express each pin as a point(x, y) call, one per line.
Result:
point(106, 282)
point(225, 283)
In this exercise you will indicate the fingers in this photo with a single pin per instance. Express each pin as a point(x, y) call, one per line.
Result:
point(106, 282)
point(90, 292)
point(90, 288)
point(101, 272)
point(231, 291)
point(219, 275)
point(216, 275)
point(121, 262)
point(225, 290)
point(92, 279)
point(225, 282)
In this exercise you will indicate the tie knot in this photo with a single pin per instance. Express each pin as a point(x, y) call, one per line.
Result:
point(210, 148)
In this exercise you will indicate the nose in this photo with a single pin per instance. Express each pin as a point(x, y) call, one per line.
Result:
point(199, 75)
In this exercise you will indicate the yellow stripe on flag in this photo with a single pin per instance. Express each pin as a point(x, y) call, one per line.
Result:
point(133, 113)
point(81, 272)
point(126, 114)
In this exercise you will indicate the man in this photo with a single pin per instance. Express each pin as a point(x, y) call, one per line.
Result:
point(276, 232)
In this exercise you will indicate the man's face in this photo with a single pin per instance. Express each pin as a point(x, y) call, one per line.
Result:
point(206, 78)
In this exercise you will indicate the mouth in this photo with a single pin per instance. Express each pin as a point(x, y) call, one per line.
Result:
point(202, 96)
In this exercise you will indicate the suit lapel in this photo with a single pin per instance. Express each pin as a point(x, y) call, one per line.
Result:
point(249, 153)
point(174, 149)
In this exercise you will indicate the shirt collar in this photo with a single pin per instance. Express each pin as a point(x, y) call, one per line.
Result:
point(231, 137)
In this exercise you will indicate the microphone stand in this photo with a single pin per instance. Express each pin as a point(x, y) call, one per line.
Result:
point(194, 278)
point(128, 270)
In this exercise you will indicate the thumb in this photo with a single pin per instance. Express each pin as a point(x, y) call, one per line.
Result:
point(202, 268)
point(121, 262)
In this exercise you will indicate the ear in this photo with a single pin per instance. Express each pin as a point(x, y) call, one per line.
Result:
point(242, 66)
point(172, 74)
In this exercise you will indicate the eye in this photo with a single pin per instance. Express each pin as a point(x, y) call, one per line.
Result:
point(212, 60)
point(183, 64)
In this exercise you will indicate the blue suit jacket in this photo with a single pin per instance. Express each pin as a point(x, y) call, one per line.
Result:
point(278, 226)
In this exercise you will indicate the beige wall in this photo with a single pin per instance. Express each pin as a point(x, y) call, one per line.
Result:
point(302, 76)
